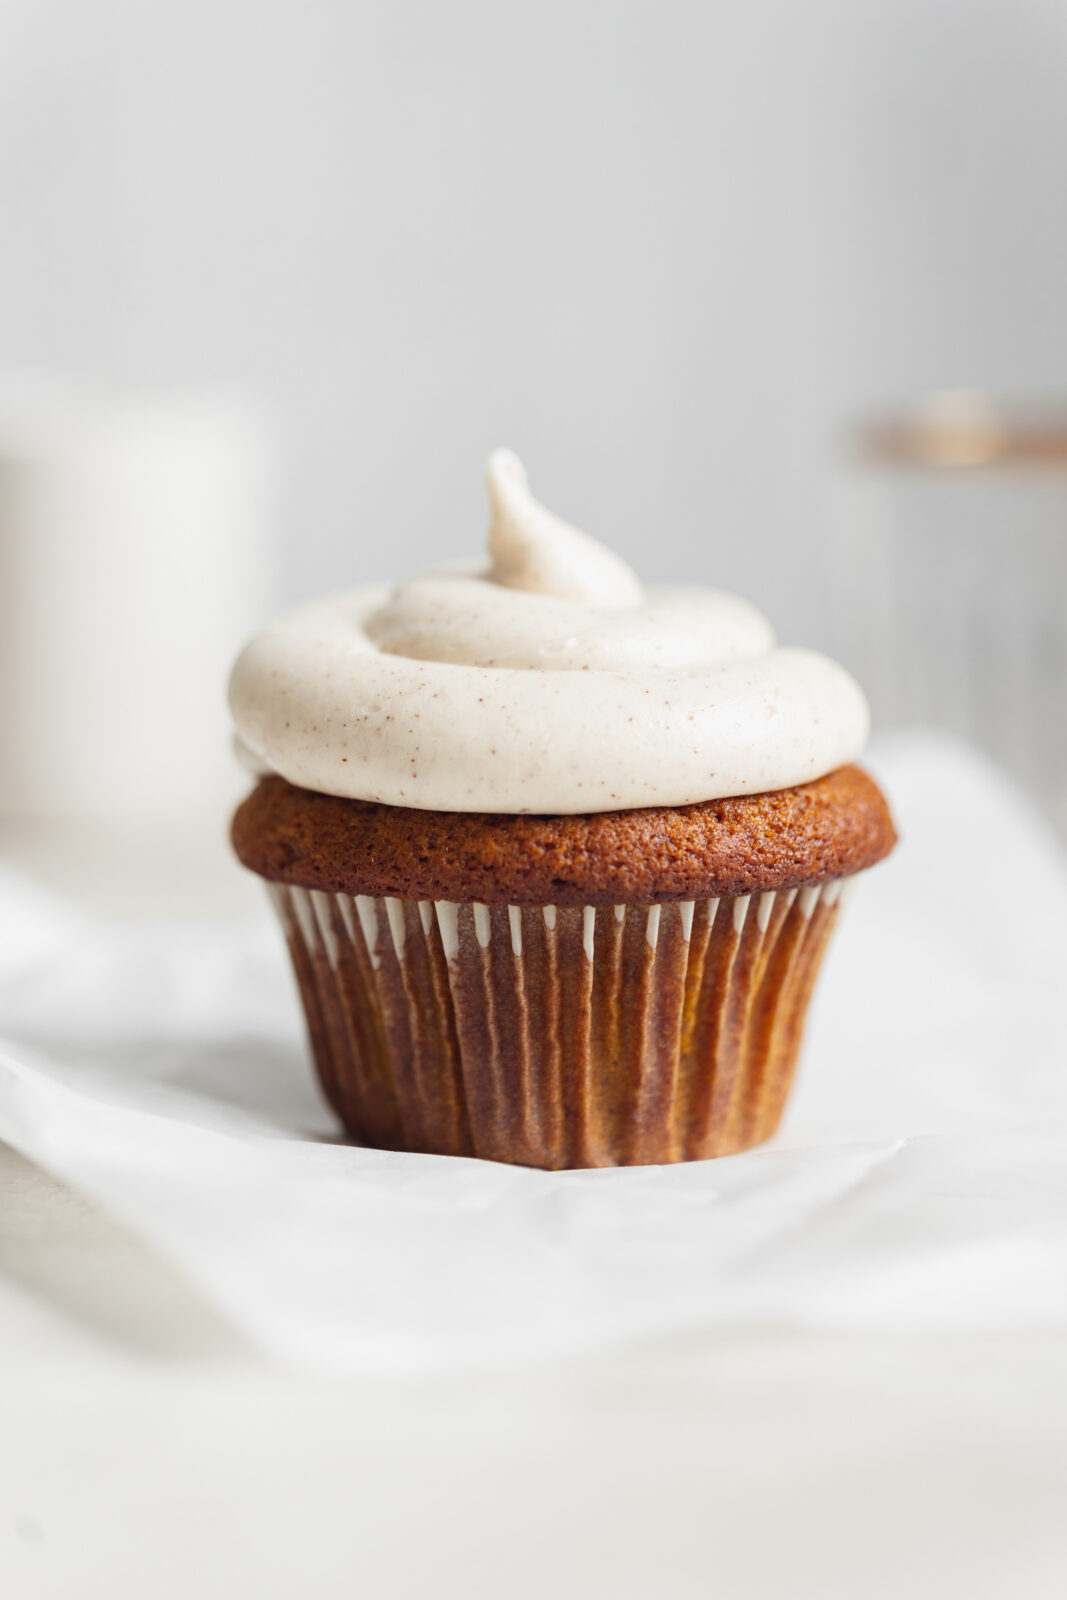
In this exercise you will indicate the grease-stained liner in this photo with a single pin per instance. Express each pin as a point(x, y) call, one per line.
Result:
point(558, 1036)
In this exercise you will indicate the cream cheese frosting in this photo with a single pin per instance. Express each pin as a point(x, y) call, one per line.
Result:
point(549, 681)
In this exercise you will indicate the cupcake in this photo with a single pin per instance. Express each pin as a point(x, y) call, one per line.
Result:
point(556, 859)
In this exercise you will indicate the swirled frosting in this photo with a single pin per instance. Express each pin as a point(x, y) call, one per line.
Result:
point(547, 682)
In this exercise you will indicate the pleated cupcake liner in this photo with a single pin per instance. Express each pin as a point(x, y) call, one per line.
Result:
point(558, 1036)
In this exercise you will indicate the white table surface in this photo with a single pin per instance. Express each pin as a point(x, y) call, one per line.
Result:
point(144, 1450)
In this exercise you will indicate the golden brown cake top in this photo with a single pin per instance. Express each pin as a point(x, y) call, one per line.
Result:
point(830, 828)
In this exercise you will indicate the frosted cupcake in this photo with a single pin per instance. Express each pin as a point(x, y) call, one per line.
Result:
point(556, 859)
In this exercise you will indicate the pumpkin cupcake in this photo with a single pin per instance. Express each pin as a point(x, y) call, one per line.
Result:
point(556, 860)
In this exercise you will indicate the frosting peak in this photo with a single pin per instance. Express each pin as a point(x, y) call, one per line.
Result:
point(533, 550)
point(546, 682)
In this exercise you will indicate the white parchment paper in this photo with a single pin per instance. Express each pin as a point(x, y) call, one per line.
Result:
point(919, 1183)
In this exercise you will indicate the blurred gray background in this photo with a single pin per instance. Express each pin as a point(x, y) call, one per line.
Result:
point(662, 249)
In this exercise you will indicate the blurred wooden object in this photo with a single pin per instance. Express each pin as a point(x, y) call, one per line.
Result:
point(947, 569)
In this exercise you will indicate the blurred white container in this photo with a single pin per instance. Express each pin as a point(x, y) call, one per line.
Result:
point(135, 555)
point(949, 565)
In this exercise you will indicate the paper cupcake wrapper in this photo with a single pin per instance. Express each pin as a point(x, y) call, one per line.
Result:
point(558, 1036)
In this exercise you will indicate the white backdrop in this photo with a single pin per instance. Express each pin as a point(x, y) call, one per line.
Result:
point(661, 247)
